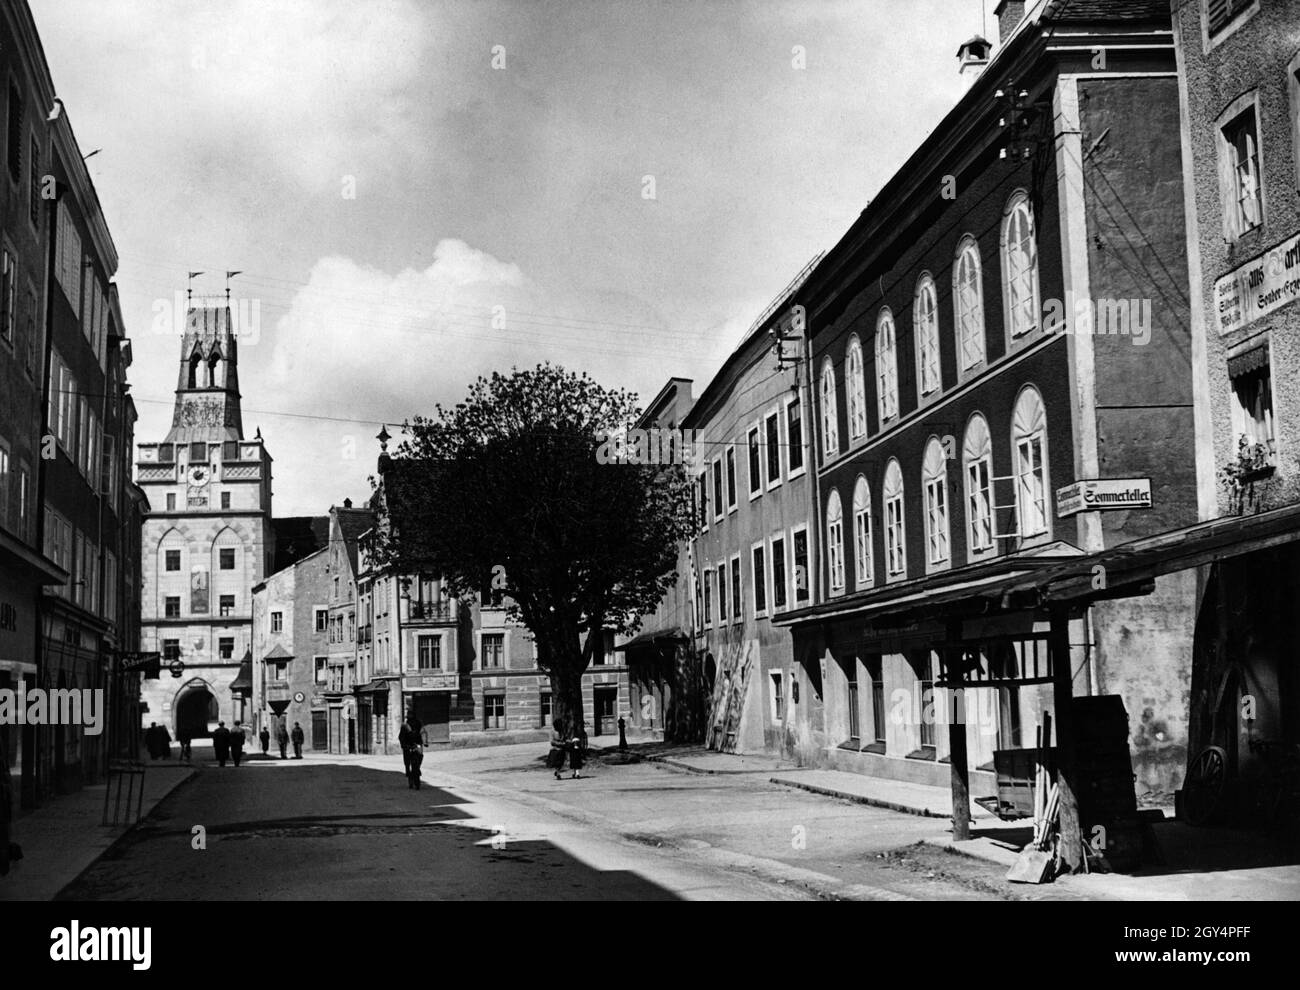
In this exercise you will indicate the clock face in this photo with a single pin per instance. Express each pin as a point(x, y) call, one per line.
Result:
point(199, 475)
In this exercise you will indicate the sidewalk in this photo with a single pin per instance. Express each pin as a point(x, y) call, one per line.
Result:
point(64, 837)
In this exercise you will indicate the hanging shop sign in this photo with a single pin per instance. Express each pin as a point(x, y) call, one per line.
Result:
point(1094, 494)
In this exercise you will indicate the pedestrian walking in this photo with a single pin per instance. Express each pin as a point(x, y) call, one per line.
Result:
point(236, 744)
point(559, 745)
point(298, 739)
point(151, 740)
point(577, 751)
point(164, 743)
point(221, 743)
point(282, 738)
point(265, 738)
point(411, 738)
point(183, 739)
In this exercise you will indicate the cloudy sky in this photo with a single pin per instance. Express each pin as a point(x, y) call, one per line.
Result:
point(622, 192)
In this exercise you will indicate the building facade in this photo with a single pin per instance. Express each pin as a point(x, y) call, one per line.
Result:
point(756, 551)
point(1240, 90)
point(1002, 370)
point(65, 428)
point(208, 537)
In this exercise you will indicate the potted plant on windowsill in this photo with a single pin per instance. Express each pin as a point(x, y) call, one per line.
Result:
point(1254, 462)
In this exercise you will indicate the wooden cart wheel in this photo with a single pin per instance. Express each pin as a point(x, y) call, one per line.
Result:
point(1203, 790)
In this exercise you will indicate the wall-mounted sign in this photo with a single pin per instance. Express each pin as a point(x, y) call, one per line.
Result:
point(1096, 494)
point(1259, 287)
point(199, 589)
point(299, 697)
point(431, 682)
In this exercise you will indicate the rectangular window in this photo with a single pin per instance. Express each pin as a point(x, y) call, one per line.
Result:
point(429, 650)
point(225, 500)
point(875, 672)
point(800, 546)
point(778, 696)
point(718, 503)
point(226, 647)
point(171, 650)
point(722, 593)
point(778, 573)
point(1031, 485)
point(708, 596)
point(936, 510)
point(794, 436)
point(67, 269)
point(737, 608)
point(979, 512)
point(544, 708)
point(320, 669)
point(1252, 415)
point(15, 136)
point(8, 296)
point(897, 558)
point(755, 464)
point(172, 607)
point(494, 650)
point(1244, 204)
point(760, 580)
point(322, 619)
point(731, 477)
point(925, 691)
point(226, 605)
point(173, 560)
point(773, 437)
point(279, 672)
point(277, 622)
point(494, 711)
point(171, 501)
point(855, 729)
point(226, 558)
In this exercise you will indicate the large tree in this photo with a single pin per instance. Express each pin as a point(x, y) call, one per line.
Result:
point(505, 491)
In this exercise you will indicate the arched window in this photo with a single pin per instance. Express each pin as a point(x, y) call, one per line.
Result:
point(977, 464)
point(934, 479)
point(886, 367)
point(863, 571)
point(213, 360)
point(856, 389)
point(895, 537)
point(835, 541)
point(968, 304)
point(925, 317)
point(1029, 447)
point(830, 415)
point(1020, 265)
point(196, 359)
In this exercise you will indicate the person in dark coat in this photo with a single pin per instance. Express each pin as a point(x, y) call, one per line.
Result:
point(282, 737)
point(183, 737)
point(298, 739)
point(164, 743)
point(411, 738)
point(151, 740)
point(559, 746)
point(264, 737)
point(221, 743)
point(576, 746)
point(237, 744)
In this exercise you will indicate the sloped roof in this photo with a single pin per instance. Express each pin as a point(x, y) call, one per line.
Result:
point(352, 523)
point(297, 537)
point(1111, 10)
point(278, 652)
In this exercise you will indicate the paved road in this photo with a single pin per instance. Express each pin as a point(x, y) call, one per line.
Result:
point(493, 823)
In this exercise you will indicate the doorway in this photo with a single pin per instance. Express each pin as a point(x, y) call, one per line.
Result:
point(196, 709)
point(605, 703)
point(434, 710)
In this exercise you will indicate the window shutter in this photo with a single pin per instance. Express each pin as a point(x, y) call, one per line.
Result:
point(1217, 14)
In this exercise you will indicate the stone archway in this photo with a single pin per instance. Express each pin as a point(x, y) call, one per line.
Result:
point(195, 709)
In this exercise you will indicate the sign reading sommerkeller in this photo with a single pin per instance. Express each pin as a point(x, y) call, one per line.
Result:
point(1259, 287)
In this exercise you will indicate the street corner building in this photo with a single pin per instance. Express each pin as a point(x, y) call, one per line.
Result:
point(208, 537)
point(69, 513)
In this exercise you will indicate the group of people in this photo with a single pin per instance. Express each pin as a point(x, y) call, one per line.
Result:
point(563, 744)
point(158, 741)
point(228, 744)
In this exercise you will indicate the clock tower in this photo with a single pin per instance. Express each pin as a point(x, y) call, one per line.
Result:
point(207, 537)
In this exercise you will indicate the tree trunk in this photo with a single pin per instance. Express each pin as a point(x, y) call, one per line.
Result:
point(566, 670)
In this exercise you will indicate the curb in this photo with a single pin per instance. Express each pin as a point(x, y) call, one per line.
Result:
point(144, 817)
point(679, 765)
point(861, 799)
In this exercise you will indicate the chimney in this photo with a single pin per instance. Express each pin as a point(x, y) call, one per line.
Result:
point(1009, 14)
point(974, 56)
point(347, 503)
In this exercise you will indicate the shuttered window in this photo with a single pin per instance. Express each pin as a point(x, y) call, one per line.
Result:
point(1220, 13)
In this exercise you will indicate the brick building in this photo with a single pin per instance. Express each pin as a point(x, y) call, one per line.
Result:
point(1002, 369)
